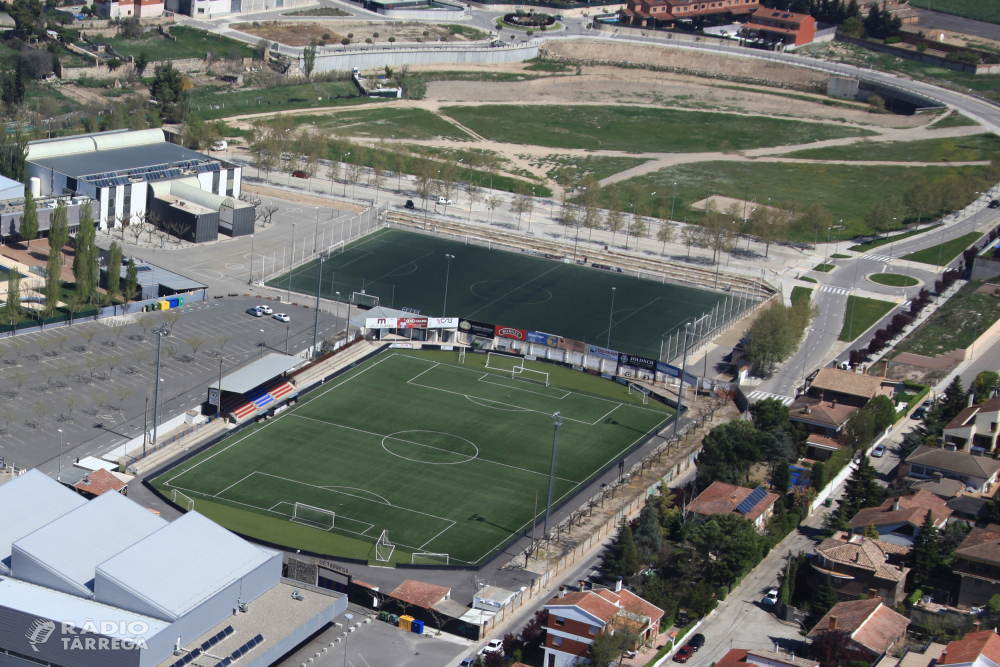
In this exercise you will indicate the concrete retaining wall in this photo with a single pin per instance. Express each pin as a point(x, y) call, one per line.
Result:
point(456, 14)
point(609, 8)
point(394, 57)
point(185, 65)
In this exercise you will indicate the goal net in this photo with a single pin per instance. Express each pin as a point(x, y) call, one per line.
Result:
point(461, 355)
point(317, 517)
point(384, 548)
point(182, 500)
point(633, 388)
point(538, 377)
point(365, 300)
point(427, 558)
point(503, 362)
point(335, 248)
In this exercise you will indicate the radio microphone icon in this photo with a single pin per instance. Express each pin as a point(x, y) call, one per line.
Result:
point(39, 632)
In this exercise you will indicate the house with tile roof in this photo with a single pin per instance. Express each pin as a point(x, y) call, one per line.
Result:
point(898, 520)
point(757, 505)
point(976, 649)
point(857, 565)
point(741, 657)
point(975, 429)
point(101, 481)
point(978, 473)
point(874, 628)
point(977, 562)
point(576, 618)
point(421, 594)
point(833, 396)
point(820, 448)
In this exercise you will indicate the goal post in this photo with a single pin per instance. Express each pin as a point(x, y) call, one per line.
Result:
point(461, 355)
point(182, 500)
point(428, 558)
point(363, 299)
point(315, 517)
point(540, 377)
point(384, 548)
point(504, 362)
point(335, 248)
point(633, 388)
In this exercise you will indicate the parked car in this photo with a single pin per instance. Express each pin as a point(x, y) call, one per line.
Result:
point(468, 662)
point(255, 312)
point(919, 413)
point(409, 204)
point(994, 203)
point(265, 309)
point(559, 17)
point(879, 451)
point(683, 655)
point(697, 642)
point(495, 646)
point(281, 317)
point(771, 597)
point(298, 173)
point(220, 145)
point(442, 200)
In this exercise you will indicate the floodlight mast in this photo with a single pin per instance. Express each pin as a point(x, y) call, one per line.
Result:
point(557, 421)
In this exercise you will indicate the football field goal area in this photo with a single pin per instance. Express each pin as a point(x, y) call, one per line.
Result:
point(182, 500)
point(317, 517)
point(427, 558)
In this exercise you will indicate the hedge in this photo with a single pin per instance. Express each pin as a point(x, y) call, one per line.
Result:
point(677, 642)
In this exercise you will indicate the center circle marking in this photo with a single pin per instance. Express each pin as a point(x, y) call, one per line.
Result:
point(412, 442)
point(506, 291)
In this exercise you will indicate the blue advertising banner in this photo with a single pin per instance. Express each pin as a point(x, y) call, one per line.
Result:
point(539, 338)
point(602, 353)
point(674, 372)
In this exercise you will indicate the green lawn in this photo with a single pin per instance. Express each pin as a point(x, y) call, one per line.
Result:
point(639, 129)
point(274, 100)
point(868, 245)
point(498, 182)
point(943, 253)
point(570, 168)
point(807, 279)
point(800, 293)
point(847, 191)
point(893, 279)
point(839, 255)
point(408, 270)
point(981, 10)
point(191, 43)
point(319, 11)
point(861, 313)
point(949, 149)
point(824, 268)
point(449, 464)
point(540, 65)
point(955, 325)
point(954, 119)
point(388, 122)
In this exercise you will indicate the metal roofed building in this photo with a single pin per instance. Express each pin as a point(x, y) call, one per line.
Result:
point(259, 372)
point(64, 554)
point(27, 504)
point(155, 281)
point(117, 169)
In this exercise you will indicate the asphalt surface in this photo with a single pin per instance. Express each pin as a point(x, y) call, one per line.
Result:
point(949, 22)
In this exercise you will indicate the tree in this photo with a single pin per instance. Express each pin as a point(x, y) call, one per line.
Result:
point(131, 289)
point(925, 555)
point(53, 282)
point(13, 147)
point(727, 453)
point(883, 413)
point(648, 536)
point(12, 309)
point(665, 235)
point(816, 219)
point(729, 544)
point(85, 259)
point(309, 59)
point(781, 477)
point(823, 600)
point(769, 415)
point(168, 90)
point(28, 230)
point(858, 431)
point(700, 599)
point(58, 228)
point(834, 648)
point(25, 14)
point(141, 61)
point(620, 560)
point(885, 215)
point(983, 385)
point(955, 400)
point(114, 270)
point(775, 334)
point(871, 531)
point(614, 221)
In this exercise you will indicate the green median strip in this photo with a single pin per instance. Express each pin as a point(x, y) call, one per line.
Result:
point(861, 313)
point(864, 247)
point(942, 253)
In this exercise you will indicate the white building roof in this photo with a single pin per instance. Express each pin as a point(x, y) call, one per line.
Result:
point(259, 372)
point(175, 569)
point(90, 463)
point(65, 553)
point(28, 503)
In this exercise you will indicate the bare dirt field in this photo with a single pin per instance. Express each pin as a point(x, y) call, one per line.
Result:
point(297, 33)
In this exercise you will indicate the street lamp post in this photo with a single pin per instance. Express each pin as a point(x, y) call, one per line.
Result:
point(611, 315)
point(319, 284)
point(345, 170)
point(316, 233)
point(59, 474)
point(348, 618)
point(673, 200)
point(161, 331)
point(447, 275)
point(805, 352)
point(557, 421)
point(262, 343)
point(250, 279)
point(292, 265)
point(336, 315)
point(680, 390)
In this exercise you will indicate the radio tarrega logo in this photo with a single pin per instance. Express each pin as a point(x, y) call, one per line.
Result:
point(39, 632)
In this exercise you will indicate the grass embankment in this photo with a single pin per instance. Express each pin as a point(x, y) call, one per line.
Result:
point(893, 279)
point(956, 324)
point(868, 245)
point(978, 147)
point(943, 253)
point(274, 100)
point(191, 43)
point(954, 119)
point(824, 268)
point(800, 293)
point(861, 313)
point(639, 129)
point(569, 169)
point(387, 122)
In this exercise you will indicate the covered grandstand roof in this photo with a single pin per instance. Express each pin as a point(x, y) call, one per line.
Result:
point(65, 553)
point(177, 568)
point(28, 503)
point(259, 372)
point(359, 317)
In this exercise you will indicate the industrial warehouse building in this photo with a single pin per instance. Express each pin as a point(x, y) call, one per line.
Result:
point(107, 583)
point(129, 173)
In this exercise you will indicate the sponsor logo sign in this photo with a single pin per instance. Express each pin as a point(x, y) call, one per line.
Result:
point(92, 636)
point(442, 322)
point(336, 567)
point(674, 372)
point(481, 329)
point(511, 332)
point(380, 322)
point(602, 353)
point(396, 322)
point(639, 363)
point(213, 398)
point(447, 348)
point(401, 346)
point(539, 338)
point(572, 345)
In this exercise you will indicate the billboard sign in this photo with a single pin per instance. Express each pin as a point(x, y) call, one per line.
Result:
point(380, 322)
point(511, 332)
point(640, 363)
point(442, 322)
point(539, 338)
point(602, 353)
point(674, 372)
point(481, 329)
point(396, 322)
point(411, 323)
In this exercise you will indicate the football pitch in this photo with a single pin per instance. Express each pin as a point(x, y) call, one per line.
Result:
point(445, 456)
point(407, 270)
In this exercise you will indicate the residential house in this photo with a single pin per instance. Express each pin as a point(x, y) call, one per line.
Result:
point(123, 9)
point(741, 657)
point(775, 26)
point(976, 649)
point(659, 13)
point(757, 505)
point(974, 428)
point(100, 482)
point(833, 396)
point(977, 562)
point(820, 448)
point(873, 627)
point(978, 473)
point(575, 619)
point(898, 520)
point(857, 565)
point(945, 489)
point(972, 510)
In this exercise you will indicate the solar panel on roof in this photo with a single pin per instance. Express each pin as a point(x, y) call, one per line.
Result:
point(229, 630)
point(785, 16)
point(751, 501)
point(195, 653)
point(259, 638)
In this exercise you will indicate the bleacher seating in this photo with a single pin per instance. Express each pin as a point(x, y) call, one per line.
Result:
point(247, 405)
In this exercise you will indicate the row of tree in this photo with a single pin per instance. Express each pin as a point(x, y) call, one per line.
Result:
point(776, 333)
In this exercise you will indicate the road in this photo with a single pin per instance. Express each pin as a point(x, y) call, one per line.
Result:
point(949, 22)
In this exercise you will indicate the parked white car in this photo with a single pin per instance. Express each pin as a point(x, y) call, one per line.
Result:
point(495, 646)
point(442, 200)
point(265, 309)
point(281, 317)
point(771, 597)
point(255, 312)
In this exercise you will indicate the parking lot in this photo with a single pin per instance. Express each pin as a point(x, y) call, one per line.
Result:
point(88, 388)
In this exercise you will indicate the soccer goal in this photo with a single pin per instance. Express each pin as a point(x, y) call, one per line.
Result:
point(633, 388)
point(335, 248)
point(366, 300)
point(538, 377)
point(428, 558)
point(316, 517)
point(461, 355)
point(384, 548)
point(504, 362)
point(182, 500)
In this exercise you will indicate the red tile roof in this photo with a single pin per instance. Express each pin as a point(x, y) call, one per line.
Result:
point(632, 602)
point(735, 658)
point(982, 544)
point(99, 482)
point(912, 510)
point(722, 498)
point(984, 642)
point(421, 594)
point(741, 657)
point(864, 553)
point(589, 601)
point(869, 622)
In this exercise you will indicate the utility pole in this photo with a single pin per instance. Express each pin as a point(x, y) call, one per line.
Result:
point(447, 275)
point(292, 265)
point(611, 315)
point(557, 421)
point(684, 363)
point(319, 283)
point(534, 519)
point(162, 331)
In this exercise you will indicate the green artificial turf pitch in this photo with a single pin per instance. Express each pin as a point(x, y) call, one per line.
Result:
point(409, 270)
point(446, 456)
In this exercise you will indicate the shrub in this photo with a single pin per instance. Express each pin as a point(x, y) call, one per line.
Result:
point(921, 47)
point(893, 40)
point(965, 57)
point(326, 36)
point(721, 592)
point(345, 41)
point(819, 475)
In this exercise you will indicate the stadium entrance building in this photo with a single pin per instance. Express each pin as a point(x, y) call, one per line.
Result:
point(107, 583)
point(389, 324)
point(260, 388)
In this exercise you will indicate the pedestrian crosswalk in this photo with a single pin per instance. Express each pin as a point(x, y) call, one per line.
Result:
point(877, 258)
point(835, 290)
point(755, 396)
point(905, 304)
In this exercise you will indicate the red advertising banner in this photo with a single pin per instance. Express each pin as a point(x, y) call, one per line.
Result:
point(411, 323)
point(511, 332)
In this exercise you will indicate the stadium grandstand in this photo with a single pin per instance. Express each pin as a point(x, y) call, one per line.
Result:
point(107, 582)
point(256, 389)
